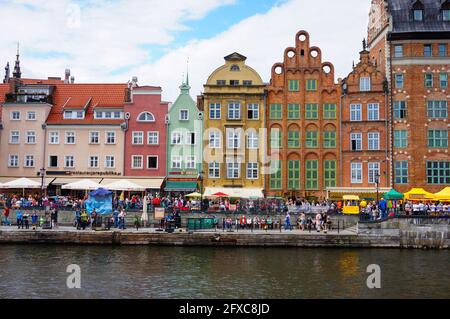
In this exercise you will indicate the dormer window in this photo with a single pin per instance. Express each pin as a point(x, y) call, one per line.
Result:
point(74, 115)
point(446, 15)
point(146, 117)
point(418, 15)
point(235, 68)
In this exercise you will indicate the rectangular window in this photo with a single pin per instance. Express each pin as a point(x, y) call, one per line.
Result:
point(31, 137)
point(312, 175)
point(221, 82)
point(356, 141)
point(373, 112)
point(312, 111)
point(427, 50)
point(330, 173)
point(312, 139)
point(438, 173)
point(443, 49)
point(446, 15)
point(374, 141)
point(252, 171)
point(234, 111)
point(31, 116)
point(364, 84)
point(276, 113)
point(53, 138)
point(184, 115)
point(437, 109)
point(418, 15)
point(400, 110)
point(428, 80)
point(329, 139)
point(14, 137)
point(153, 138)
point(275, 176)
point(14, 116)
point(190, 162)
point(191, 138)
point(177, 138)
point(74, 115)
point(152, 162)
point(176, 162)
point(110, 138)
point(293, 111)
point(233, 169)
point(247, 83)
point(293, 139)
point(252, 140)
point(234, 82)
point(356, 173)
point(398, 51)
point(53, 161)
point(215, 111)
point(29, 161)
point(355, 112)
point(137, 162)
point(329, 111)
point(253, 111)
point(400, 139)
point(443, 80)
point(399, 81)
point(94, 137)
point(294, 85)
point(69, 161)
point(214, 139)
point(214, 170)
point(401, 172)
point(13, 161)
point(437, 138)
point(311, 85)
point(275, 139)
point(294, 175)
point(110, 162)
point(70, 138)
point(93, 162)
point(374, 173)
point(138, 138)
point(233, 139)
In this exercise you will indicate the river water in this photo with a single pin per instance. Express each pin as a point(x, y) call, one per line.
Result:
point(167, 272)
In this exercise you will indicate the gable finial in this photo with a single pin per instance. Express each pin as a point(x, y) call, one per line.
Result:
point(364, 44)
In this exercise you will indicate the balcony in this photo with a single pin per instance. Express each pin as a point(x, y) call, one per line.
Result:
point(26, 98)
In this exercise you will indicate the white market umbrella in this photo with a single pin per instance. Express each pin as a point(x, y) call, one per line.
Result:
point(21, 183)
point(85, 184)
point(125, 185)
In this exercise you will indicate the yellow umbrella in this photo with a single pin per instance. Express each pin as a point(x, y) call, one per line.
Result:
point(418, 194)
point(443, 195)
point(194, 195)
point(122, 196)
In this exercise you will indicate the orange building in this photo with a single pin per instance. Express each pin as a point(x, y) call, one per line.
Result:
point(303, 123)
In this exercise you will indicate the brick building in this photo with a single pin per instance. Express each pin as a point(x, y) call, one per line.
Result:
point(409, 39)
point(303, 123)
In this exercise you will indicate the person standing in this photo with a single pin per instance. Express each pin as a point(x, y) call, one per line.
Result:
point(34, 220)
point(84, 219)
point(287, 224)
point(19, 219)
point(137, 222)
point(318, 222)
point(383, 208)
point(6, 212)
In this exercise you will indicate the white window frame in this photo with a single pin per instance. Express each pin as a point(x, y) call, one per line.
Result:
point(191, 160)
point(214, 168)
point(232, 167)
point(252, 140)
point(373, 168)
point(74, 115)
point(157, 162)
point(358, 138)
point(176, 138)
point(234, 111)
point(254, 108)
point(66, 137)
point(15, 135)
point(91, 157)
point(91, 135)
point(66, 158)
point(156, 135)
point(114, 137)
point(31, 119)
point(141, 157)
point(136, 137)
point(26, 159)
point(358, 169)
point(146, 120)
point(108, 160)
point(16, 157)
point(373, 141)
point(365, 84)
point(181, 115)
point(215, 139)
point(215, 107)
point(252, 168)
point(176, 162)
point(233, 139)
point(11, 115)
point(188, 138)
point(53, 135)
point(31, 134)
point(355, 112)
point(373, 109)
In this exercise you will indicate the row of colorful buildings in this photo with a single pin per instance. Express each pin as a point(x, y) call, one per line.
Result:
point(302, 134)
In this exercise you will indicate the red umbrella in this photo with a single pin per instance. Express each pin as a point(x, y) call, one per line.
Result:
point(220, 194)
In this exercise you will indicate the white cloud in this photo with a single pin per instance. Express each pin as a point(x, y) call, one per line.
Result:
point(111, 34)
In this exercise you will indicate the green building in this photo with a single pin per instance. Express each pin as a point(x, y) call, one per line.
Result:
point(185, 144)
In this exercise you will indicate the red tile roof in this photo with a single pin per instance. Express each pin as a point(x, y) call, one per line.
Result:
point(77, 96)
point(4, 88)
point(49, 81)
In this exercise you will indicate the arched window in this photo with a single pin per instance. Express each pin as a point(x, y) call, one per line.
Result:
point(235, 68)
point(146, 117)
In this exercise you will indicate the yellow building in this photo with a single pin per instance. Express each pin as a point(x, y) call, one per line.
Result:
point(234, 130)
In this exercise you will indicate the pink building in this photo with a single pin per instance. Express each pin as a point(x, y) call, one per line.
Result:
point(145, 137)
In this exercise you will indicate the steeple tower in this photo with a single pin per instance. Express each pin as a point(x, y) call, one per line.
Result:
point(7, 74)
point(17, 74)
point(185, 87)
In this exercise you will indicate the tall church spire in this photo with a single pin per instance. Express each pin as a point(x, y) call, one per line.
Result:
point(17, 74)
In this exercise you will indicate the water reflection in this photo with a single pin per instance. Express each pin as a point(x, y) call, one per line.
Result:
point(161, 272)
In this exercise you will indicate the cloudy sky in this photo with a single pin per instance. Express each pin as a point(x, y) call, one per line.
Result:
point(113, 40)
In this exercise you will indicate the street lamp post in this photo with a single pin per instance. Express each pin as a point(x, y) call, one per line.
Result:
point(377, 181)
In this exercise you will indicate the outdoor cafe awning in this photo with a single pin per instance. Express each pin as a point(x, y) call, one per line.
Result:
point(47, 180)
point(64, 181)
point(179, 186)
point(235, 192)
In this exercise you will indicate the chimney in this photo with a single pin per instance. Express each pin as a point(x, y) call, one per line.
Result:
point(72, 79)
point(67, 76)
